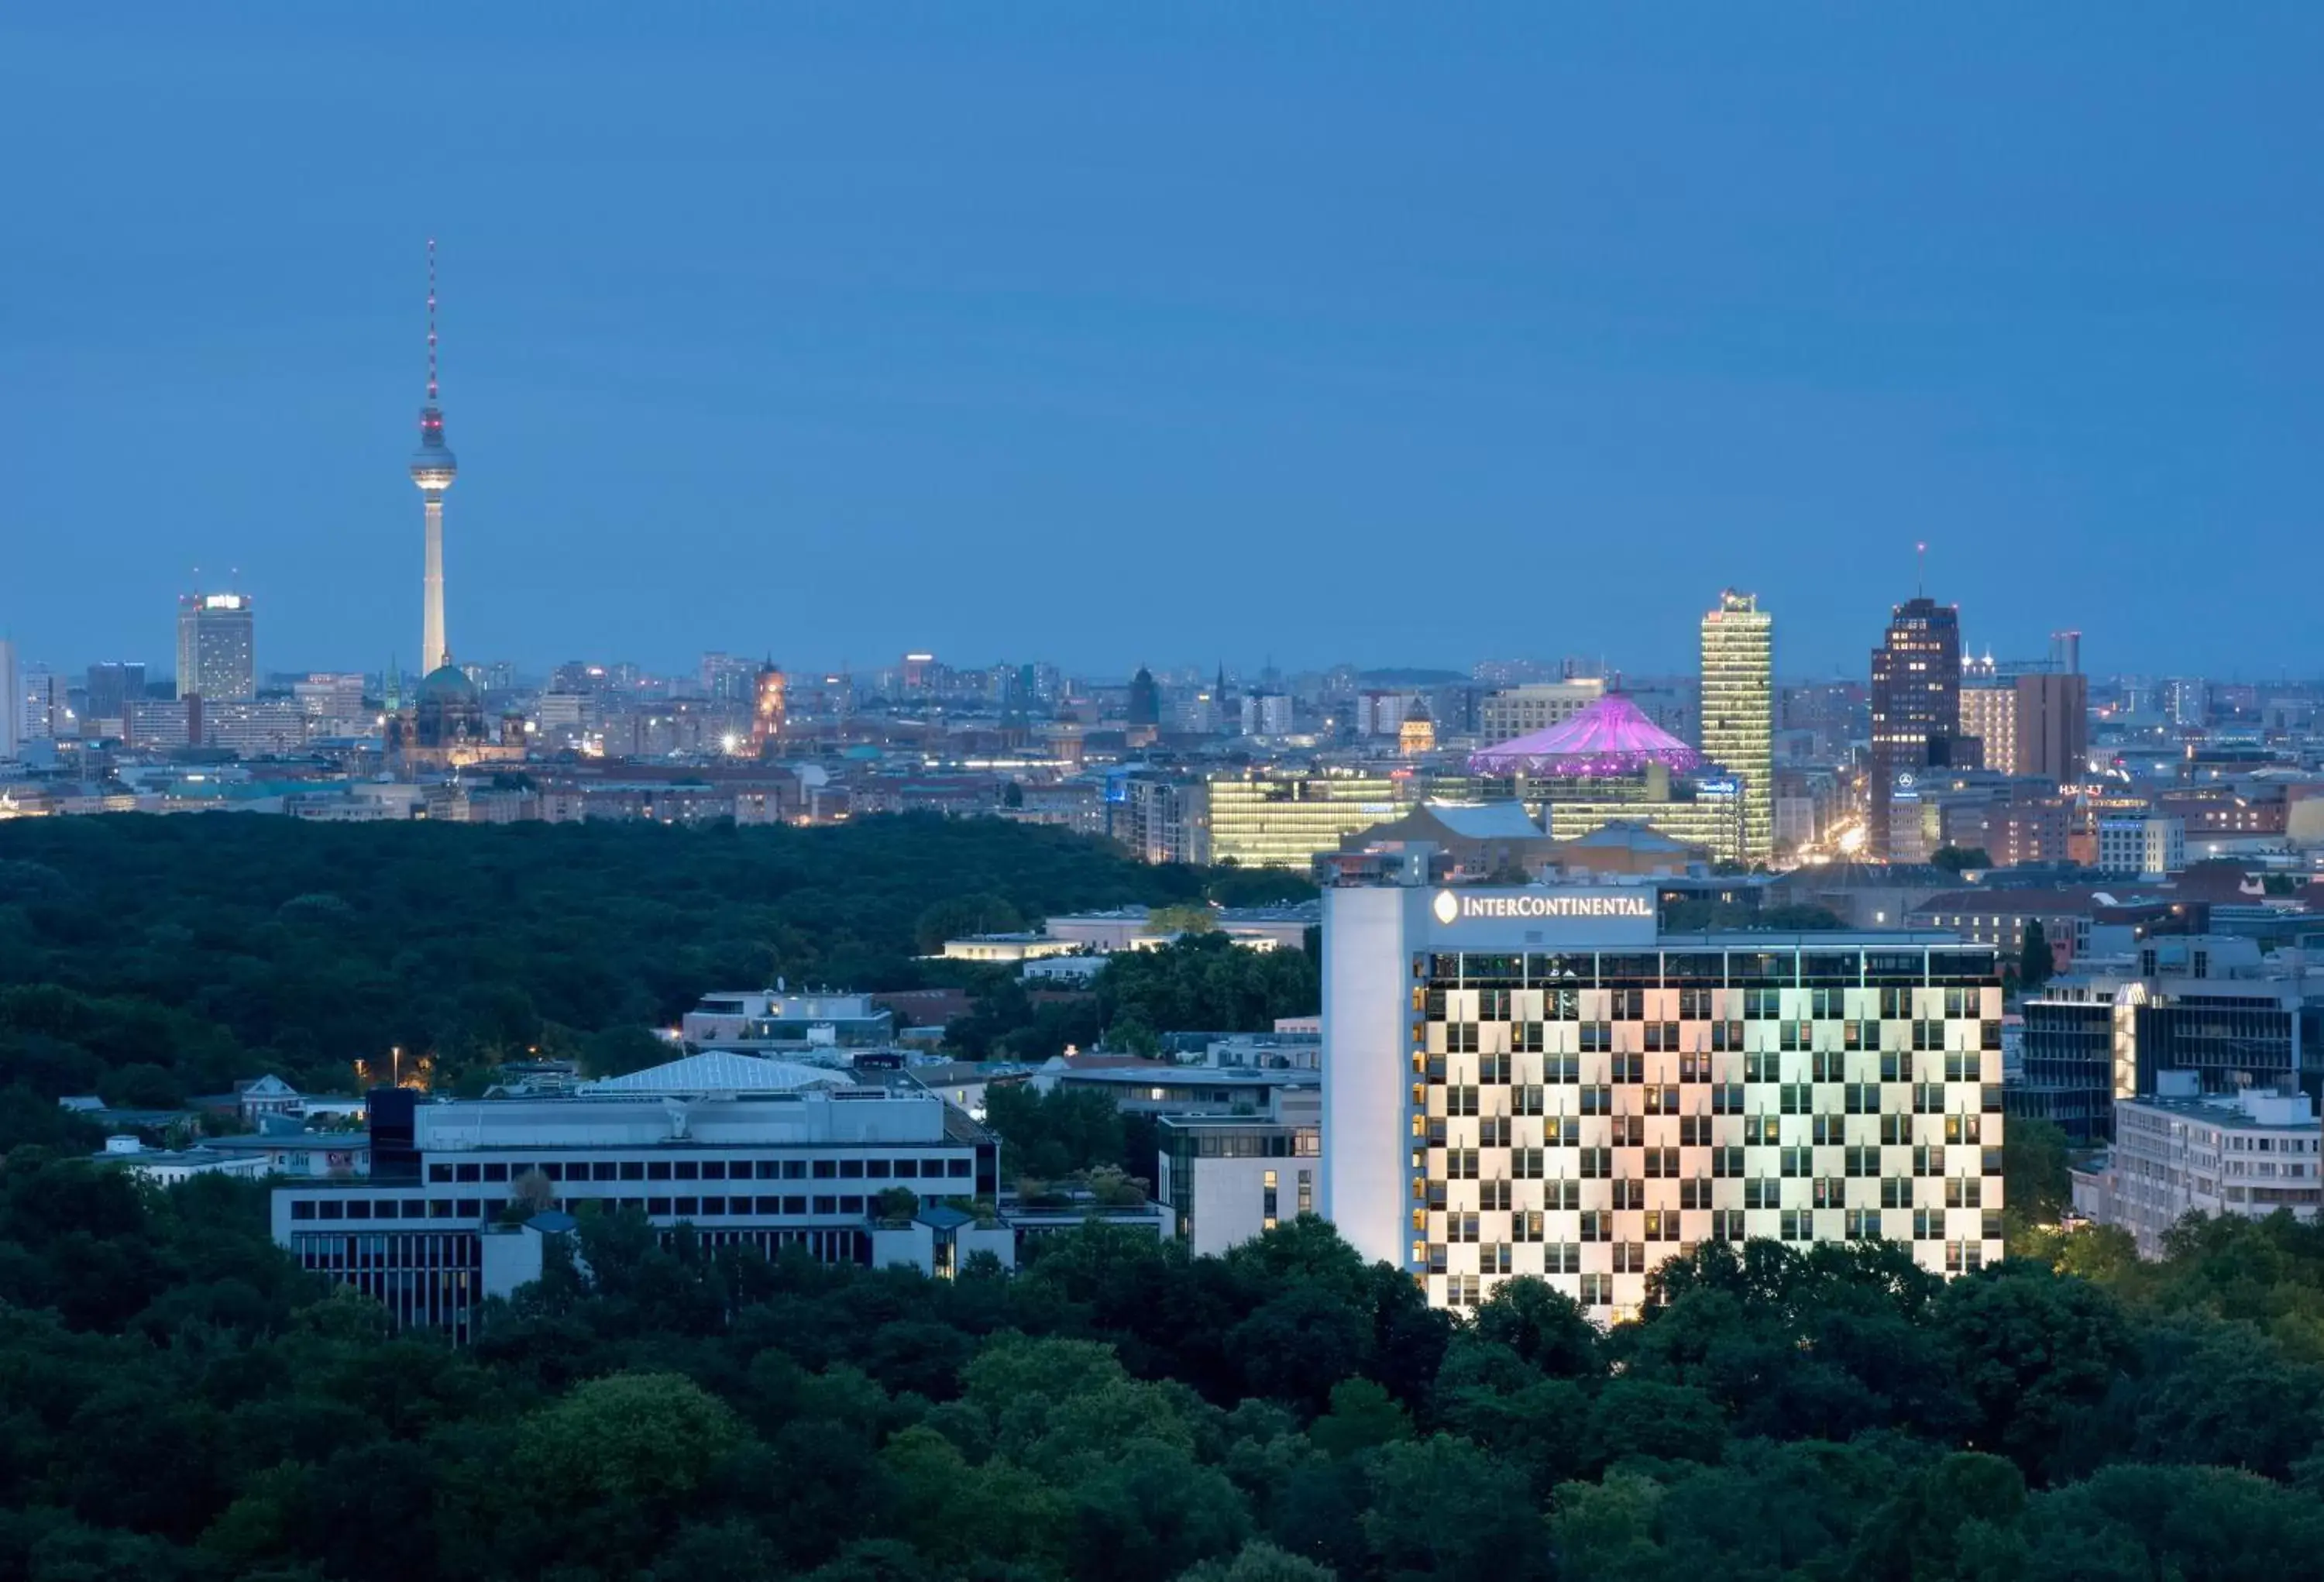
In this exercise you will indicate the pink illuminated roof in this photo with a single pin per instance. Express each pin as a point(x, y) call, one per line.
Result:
point(1611, 737)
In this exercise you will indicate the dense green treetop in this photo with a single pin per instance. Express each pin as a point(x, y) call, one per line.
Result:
point(179, 1403)
point(152, 958)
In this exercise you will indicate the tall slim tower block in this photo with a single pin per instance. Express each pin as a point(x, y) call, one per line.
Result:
point(433, 470)
point(1739, 711)
point(217, 654)
point(12, 699)
point(1916, 709)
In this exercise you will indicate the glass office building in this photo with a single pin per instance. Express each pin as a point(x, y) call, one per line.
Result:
point(1286, 821)
point(1738, 712)
point(2199, 1006)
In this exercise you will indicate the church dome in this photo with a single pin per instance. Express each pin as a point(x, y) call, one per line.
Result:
point(448, 682)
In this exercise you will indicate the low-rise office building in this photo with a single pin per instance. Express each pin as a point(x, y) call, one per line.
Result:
point(2145, 847)
point(1226, 1179)
point(777, 1018)
point(166, 1167)
point(2183, 1152)
point(770, 1160)
point(964, 1083)
point(1164, 1088)
point(1131, 928)
point(1709, 821)
point(2210, 1007)
point(1287, 820)
point(326, 1155)
point(1012, 948)
point(2003, 916)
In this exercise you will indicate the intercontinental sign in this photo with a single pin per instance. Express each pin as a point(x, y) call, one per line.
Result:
point(1452, 906)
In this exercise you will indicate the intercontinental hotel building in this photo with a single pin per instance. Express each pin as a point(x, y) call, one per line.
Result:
point(1536, 1081)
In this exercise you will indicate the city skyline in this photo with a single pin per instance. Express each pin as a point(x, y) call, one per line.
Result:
point(1018, 365)
point(1199, 793)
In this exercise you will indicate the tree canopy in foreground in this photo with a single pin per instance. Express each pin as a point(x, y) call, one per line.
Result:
point(179, 1402)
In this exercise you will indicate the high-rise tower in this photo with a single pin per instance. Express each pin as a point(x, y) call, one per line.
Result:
point(1739, 711)
point(433, 470)
point(1915, 709)
point(12, 699)
point(216, 657)
point(768, 708)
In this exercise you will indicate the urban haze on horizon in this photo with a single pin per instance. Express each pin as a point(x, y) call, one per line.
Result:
point(963, 351)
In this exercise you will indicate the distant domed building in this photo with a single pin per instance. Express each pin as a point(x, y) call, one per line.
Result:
point(449, 711)
point(443, 724)
point(1612, 738)
point(1418, 734)
point(1610, 763)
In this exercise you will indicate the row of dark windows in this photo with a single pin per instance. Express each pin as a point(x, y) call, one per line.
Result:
point(706, 1170)
point(428, 1280)
point(1727, 1161)
point(1761, 1066)
point(1828, 1127)
point(473, 1210)
point(1727, 1099)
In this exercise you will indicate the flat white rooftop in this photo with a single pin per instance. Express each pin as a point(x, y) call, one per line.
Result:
point(761, 1121)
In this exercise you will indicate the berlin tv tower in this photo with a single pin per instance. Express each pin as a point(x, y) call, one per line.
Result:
point(433, 468)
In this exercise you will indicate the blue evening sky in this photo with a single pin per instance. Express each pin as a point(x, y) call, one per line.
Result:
point(1102, 333)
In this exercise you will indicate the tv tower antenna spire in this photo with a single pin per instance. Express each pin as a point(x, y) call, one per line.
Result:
point(433, 470)
point(431, 322)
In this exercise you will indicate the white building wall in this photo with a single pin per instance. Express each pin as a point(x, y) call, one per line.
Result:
point(1230, 1198)
point(1366, 1003)
point(2249, 1155)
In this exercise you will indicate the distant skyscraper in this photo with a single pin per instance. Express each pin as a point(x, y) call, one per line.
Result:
point(1916, 705)
point(433, 468)
point(2053, 727)
point(12, 699)
point(727, 679)
point(1738, 711)
point(113, 685)
point(1988, 711)
point(2187, 699)
point(216, 647)
point(332, 703)
point(37, 703)
point(1267, 714)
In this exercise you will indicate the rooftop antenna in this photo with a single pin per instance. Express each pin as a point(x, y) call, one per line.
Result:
point(431, 322)
point(1920, 550)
